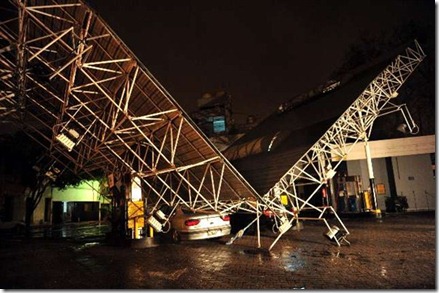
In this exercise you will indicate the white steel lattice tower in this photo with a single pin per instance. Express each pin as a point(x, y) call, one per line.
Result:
point(354, 125)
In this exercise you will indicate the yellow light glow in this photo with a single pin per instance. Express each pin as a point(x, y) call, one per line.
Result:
point(136, 191)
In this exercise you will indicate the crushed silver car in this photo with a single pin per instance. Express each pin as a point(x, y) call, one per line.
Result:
point(187, 224)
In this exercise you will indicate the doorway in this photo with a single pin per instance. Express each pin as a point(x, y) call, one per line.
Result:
point(57, 217)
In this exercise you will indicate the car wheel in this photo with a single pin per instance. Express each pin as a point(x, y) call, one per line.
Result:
point(176, 238)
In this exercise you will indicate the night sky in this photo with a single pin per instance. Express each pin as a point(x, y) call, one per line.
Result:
point(262, 52)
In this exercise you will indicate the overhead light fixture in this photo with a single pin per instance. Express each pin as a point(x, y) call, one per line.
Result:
point(154, 223)
point(334, 234)
point(73, 133)
point(65, 141)
point(285, 225)
point(161, 215)
point(68, 140)
point(136, 190)
point(53, 173)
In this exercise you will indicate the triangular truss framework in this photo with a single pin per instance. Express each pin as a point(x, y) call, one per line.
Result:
point(77, 90)
point(315, 168)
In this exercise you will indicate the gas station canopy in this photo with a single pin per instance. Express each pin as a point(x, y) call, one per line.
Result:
point(71, 84)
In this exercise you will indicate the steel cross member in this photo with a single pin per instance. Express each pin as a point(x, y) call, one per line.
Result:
point(354, 125)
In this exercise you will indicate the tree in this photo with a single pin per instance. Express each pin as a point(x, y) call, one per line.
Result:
point(418, 93)
point(35, 170)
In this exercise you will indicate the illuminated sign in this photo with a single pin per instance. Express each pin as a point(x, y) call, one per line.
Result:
point(219, 124)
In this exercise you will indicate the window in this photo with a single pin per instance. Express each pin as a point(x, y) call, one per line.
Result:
point(219, 124)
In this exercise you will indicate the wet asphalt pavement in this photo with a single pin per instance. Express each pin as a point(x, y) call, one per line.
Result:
point(394, 252)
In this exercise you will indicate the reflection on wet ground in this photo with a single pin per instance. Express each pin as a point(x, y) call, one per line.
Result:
point(78, 231)
point(388, 253)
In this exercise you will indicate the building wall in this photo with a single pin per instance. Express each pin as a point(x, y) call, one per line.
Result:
point(413, 179)
point(359, 167)
point(12, 201)
point(85, 192)
point(19, 208)
point(38, 216)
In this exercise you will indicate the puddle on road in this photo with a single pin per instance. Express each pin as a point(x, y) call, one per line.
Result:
point(257, 251)
point(86, 245)
point(337, 255)
point(172, 276)
point(261, 255)
point(293, 260)
point(290, 258)
point(326, 253)
point(71, 230)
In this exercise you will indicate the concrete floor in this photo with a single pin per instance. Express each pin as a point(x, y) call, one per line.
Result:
point(394, 252)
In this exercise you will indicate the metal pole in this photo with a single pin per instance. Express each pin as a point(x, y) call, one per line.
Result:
point(371, 175)
point(257, 224)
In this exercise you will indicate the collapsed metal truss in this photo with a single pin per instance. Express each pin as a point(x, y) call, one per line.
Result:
point(78, 91)
point(315, 167)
